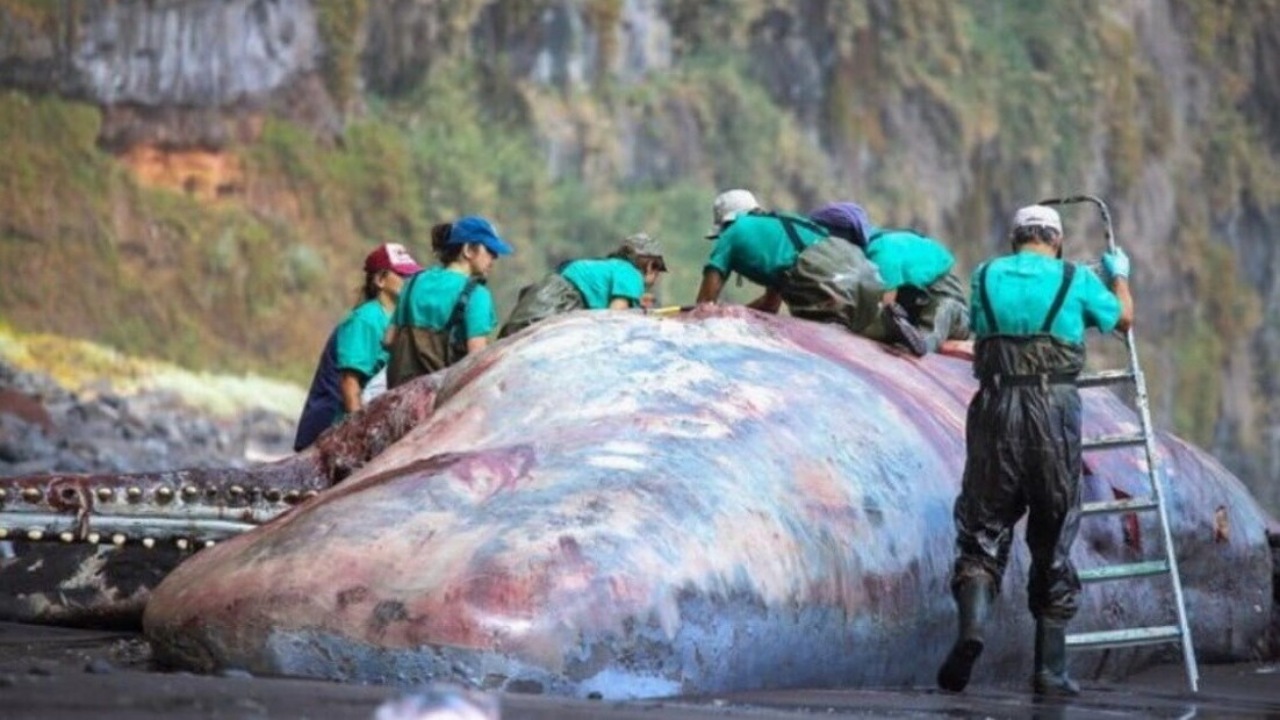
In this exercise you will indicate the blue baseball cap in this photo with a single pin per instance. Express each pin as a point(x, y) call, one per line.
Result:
point(844, 219)
point(474, 229)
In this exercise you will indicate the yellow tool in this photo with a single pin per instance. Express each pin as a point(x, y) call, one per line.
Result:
point(668, 310)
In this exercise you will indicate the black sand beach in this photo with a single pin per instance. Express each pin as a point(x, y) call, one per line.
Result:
point(58, 673)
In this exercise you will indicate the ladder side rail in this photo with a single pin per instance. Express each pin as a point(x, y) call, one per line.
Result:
point(1144, 418)
point(1162, 512)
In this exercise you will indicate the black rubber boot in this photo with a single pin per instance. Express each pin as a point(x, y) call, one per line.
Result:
point(973, 598)
point(898, 328)
point(1051, 662)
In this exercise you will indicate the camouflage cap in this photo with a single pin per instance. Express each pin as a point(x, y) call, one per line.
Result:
point(641, 245)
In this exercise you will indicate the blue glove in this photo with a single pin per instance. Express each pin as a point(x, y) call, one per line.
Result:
point(1115, 263)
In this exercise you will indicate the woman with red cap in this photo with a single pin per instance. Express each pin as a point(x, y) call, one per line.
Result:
point(353, 353)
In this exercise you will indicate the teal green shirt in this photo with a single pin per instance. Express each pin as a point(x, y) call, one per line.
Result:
point(359, 340)
point(1021, 288)
point(429, 297)
point(601, 281)
point(904, 257)
point(758, 248)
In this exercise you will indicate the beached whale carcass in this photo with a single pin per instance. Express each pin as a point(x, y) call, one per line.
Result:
point(629, 506)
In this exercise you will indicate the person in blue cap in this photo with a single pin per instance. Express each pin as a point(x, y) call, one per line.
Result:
point(354, 353)
point(616, 282)
point(446, 312)
point(916, 270)
point(1030, 310)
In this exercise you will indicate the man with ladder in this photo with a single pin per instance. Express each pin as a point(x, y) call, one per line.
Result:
point(1029, 310)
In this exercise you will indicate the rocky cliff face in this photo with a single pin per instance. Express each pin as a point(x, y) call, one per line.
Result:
point(941, 115)
point(181, 74)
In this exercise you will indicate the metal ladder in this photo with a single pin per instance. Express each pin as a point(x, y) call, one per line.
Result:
point(1135, 636)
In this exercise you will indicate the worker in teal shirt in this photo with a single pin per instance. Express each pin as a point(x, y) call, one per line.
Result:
point(616, 282)
point(353, 353)
point(916, 271)
point(797, 263)
point(1030, 310)
point(446, 312)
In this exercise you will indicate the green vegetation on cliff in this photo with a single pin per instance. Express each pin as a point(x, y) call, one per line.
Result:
point(945, 115)
point(338, 23)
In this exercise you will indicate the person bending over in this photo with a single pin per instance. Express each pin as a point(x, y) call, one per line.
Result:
point(616, 282)
point(798, 263)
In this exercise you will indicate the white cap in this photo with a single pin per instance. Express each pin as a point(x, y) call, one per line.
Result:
point(1037, 215)
point(728, 206)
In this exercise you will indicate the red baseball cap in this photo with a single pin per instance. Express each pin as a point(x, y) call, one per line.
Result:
point(393, 257)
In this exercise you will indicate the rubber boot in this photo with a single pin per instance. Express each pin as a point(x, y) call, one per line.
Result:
point(898, 328)
point(973, 598)
point(1051, 661)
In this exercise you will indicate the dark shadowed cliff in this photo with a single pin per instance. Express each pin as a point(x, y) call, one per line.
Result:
point(197, 179)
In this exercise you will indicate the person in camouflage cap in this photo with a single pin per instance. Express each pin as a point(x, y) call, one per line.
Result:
point(616, 282)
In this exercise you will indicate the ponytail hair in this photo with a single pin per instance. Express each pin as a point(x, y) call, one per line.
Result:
point(369, 290)
point(445, 252)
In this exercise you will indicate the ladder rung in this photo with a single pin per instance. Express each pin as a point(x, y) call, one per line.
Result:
point(1121, 572)
point(1127, 637)
point(1118, 506)
point(1107, 442)
point(1104, 377)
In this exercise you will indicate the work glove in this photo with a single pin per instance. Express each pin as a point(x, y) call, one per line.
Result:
point(1115, 264)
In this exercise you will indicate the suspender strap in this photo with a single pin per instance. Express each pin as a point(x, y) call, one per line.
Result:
point(790, 224)
point(793, 235)
point(460, 307)
point(987, 312)
point(1068, 272)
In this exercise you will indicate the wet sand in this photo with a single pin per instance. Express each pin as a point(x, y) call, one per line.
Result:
point(52, 673)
